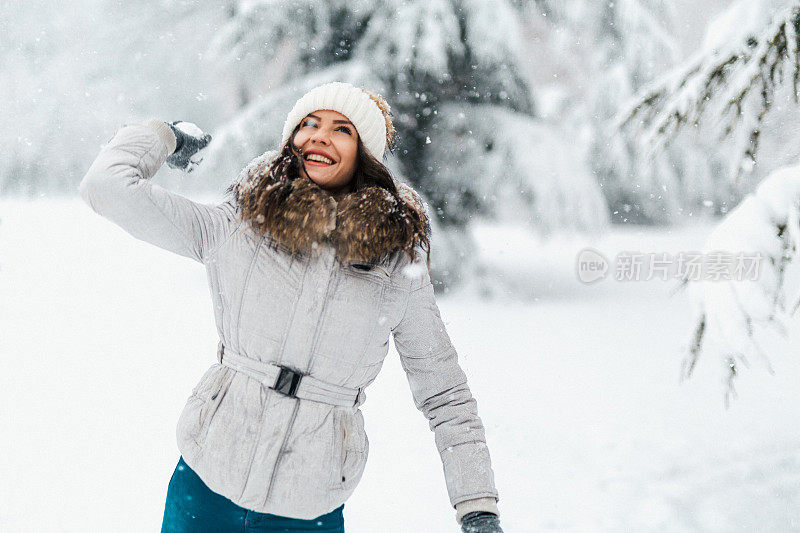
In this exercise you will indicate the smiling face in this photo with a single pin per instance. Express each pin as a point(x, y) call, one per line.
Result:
point(328, 134)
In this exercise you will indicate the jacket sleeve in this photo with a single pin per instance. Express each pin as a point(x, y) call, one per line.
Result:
point(440, 391)
point(118, 187)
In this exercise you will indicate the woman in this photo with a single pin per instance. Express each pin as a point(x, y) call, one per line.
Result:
point(313, 261)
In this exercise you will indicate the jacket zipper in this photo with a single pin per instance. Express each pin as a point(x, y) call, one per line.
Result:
point(280, 450)
point(297, 400)
point(343, 458)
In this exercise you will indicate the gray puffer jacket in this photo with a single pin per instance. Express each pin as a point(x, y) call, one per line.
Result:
point(263, 449)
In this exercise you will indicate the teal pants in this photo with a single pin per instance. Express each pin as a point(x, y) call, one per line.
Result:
point(192, 507)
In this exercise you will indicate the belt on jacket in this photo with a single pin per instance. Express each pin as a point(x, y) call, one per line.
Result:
point(290, 382)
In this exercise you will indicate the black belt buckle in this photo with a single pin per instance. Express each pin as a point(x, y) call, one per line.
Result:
point(287, 382)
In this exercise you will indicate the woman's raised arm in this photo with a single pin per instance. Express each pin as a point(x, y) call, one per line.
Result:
point(118, 187)
point(440, 391)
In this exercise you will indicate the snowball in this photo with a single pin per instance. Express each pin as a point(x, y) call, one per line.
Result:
point(189, 128)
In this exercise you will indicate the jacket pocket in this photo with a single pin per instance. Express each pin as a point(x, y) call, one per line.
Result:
point(353, 449)
point(211, 399)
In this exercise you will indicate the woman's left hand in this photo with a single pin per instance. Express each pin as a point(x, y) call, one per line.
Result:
point(480, 522)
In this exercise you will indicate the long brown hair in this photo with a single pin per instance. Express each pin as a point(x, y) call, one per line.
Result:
point(261, 202)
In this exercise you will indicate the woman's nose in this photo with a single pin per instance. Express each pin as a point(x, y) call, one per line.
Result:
point(321, 135)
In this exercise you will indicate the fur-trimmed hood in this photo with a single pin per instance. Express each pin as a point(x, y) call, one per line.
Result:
point(365, 226)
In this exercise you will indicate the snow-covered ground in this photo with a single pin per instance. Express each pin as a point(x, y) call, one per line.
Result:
point(102, 338)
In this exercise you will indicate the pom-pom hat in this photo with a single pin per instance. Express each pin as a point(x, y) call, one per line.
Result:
point(354, 103)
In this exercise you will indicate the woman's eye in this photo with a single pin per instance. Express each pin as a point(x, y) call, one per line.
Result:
point(311, 122)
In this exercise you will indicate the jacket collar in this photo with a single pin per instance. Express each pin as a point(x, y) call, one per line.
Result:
point(366, 226)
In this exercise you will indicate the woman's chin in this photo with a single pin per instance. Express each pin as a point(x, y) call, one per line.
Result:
point(325, 180)
point(322, 182)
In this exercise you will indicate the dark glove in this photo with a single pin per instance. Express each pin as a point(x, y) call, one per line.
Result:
point(190, 142)
point(480, 522)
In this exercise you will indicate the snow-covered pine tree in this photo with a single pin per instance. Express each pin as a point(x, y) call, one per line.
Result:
point(607, 52)
point(736, 314)
point(741, 86)
point(468, 138)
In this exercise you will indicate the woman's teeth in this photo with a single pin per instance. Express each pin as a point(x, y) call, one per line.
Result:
point(319, 158)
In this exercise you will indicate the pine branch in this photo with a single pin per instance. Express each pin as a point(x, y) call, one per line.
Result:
point(728, 78)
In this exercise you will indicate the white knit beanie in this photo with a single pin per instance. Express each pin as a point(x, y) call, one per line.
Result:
point(350, 101)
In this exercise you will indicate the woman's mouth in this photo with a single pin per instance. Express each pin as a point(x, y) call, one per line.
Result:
point(318, 163)
point(319, 160)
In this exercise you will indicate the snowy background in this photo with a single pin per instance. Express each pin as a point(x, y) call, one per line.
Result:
point(512, 138)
